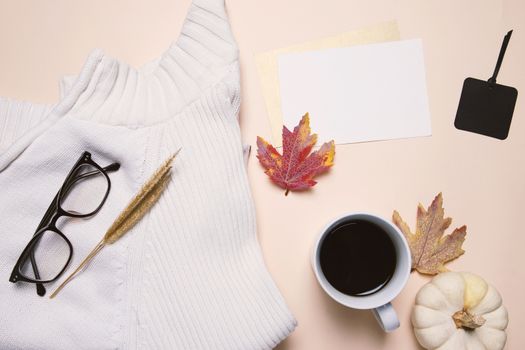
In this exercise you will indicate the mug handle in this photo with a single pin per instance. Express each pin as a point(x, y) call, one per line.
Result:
point(386, 317)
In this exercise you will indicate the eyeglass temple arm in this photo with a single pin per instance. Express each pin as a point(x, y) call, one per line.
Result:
point(110, 168)
point(40, 289)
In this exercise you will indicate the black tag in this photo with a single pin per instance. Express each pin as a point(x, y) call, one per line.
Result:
point(486, 107)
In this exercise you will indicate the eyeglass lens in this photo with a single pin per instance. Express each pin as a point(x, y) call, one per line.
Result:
point(85, 192)
point(51, 253)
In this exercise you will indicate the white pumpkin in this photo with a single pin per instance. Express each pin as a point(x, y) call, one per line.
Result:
point(459, 310)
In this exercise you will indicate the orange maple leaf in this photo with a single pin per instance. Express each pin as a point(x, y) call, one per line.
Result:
point(295, 169)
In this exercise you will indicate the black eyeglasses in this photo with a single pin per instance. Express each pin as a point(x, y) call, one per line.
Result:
point(49, 252)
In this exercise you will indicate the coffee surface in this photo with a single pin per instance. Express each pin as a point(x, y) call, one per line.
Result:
point(357, 257)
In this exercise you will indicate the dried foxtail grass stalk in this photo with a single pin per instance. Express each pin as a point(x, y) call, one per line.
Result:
point(130, 216)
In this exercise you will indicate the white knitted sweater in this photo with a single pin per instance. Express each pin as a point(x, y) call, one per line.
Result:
point(191, 274)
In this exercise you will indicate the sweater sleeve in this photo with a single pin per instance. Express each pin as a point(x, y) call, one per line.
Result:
point(17, 118)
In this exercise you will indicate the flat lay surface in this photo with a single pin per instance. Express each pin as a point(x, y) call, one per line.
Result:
point(482, 179)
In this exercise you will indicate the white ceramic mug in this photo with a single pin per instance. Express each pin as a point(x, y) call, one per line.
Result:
point(378, 302)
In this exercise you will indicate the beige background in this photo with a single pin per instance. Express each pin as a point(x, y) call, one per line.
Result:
point(482, 179)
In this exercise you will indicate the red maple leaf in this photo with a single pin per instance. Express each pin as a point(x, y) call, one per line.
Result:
point(295, 169)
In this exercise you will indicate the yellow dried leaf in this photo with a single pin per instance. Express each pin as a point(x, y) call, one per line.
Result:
point(429, 247)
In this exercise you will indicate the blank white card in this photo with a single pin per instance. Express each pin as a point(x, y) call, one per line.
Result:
point(357, 94)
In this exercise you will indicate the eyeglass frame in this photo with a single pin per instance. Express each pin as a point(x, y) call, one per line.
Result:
point(53, 213)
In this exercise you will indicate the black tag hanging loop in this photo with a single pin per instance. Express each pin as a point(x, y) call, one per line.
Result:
point(504, 45)
point(486, 107)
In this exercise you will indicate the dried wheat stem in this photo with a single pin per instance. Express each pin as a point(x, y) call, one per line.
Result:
point(83, 264)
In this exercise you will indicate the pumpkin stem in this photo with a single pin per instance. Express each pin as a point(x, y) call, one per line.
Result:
point(464, 319)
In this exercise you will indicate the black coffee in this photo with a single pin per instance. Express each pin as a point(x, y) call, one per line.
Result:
point(358, 257)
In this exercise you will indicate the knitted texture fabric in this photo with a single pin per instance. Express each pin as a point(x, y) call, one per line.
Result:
point(191, 275)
